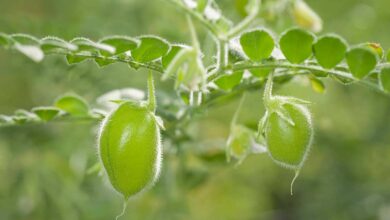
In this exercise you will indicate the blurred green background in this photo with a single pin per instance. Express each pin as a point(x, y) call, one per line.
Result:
point(43, 167)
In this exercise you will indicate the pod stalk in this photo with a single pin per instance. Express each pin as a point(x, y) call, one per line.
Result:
point(293, 180)
point(268, 89)
point(151, 93)
point(123, 210)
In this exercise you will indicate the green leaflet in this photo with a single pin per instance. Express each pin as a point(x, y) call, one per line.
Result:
point(120, 43)
point(201, 5)
point(241, 7)
point(5, 120)
point(54, 44)
point(4, 40)
point(86, 49)
point(80, 57)
point(73, 105)
point(25, 39)
point(29, 46)
point(317, 85)
point(228, 82)
point(101, 62)
point(257, 44)
point(261, 72)
point(361, 61)
point(22, 116)
point(296, 45)
point(374, 47)
point(85, 44)
point(384, 78)
point(167, 59)
point(46, 113)
point(329, 50)
point(33, 52)
point(150, 48)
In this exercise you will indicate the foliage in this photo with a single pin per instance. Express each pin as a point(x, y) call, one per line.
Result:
point(241, 49)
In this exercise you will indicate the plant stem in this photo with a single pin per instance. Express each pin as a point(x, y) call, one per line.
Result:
point(151, 93)
point(236, 114)
point(244, 24)
point(240, 66)
point(268, 89)
point(194, 37)
point(197, 16)
point(150, 66)
point(223, 58)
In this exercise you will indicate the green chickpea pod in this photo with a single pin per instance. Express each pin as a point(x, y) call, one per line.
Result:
point(287, 128)
point(130, 146)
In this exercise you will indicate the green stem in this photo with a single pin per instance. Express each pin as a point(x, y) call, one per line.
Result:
point(310, 68)
point(223, 58)
point(194, 38)
point(244, 24)
point(268, 89)
point(244, 66)
point(293, 181)
point(197, 16)
point(282, 64)
point(150, 66)
point(123, 209)
point(236, 114)
point(151, 93)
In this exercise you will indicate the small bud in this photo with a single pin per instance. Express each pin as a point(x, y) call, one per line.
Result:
point(305, 17)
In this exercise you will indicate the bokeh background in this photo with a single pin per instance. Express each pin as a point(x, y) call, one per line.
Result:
point(43, 168)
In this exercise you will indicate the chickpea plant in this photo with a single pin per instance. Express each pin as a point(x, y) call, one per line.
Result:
point(249, 57)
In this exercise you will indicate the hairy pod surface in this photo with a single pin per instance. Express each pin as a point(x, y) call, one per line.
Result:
point(130, 148)
point(288, 143)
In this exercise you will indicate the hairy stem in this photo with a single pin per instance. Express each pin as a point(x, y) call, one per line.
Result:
point(244, 24)
point(151, 93)
point(223, 58)
point(196, 16)
point(194, 37)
